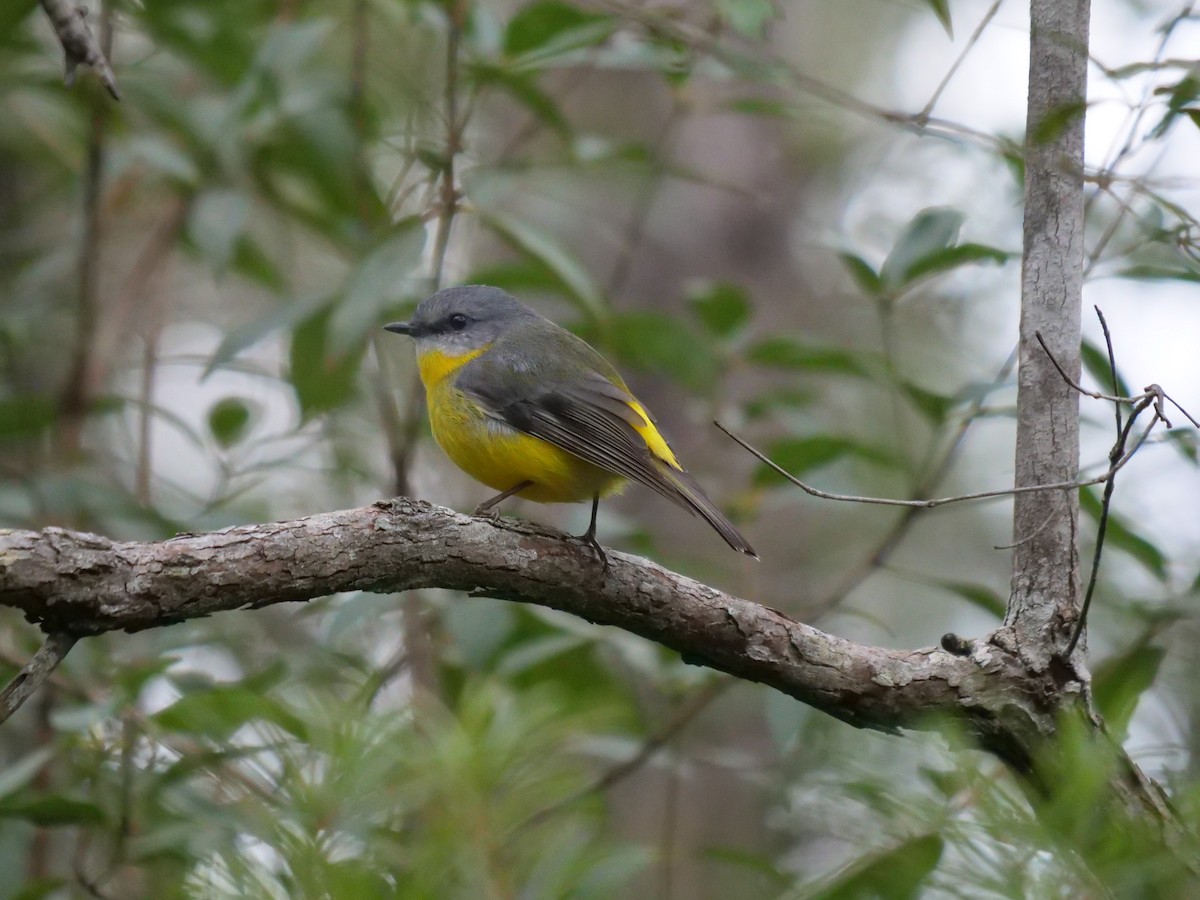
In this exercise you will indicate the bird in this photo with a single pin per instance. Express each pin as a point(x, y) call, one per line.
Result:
point(532, 410)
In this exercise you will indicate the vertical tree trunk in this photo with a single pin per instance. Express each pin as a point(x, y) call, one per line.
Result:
point(1045, 582)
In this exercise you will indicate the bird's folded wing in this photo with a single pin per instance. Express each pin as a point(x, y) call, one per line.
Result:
point(591, 419)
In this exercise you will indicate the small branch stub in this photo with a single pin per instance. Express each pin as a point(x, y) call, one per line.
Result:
point(80, 46)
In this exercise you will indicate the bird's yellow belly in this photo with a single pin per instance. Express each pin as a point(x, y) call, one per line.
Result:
point(501, 457)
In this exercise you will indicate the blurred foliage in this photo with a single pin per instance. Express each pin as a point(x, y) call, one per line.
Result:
point(274, 186)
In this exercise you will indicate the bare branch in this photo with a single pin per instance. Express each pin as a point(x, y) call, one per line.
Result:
point(35, 672)
point(1095, 395)
point(85, 584)
point(1112, 364)
point(1118, 450)
point(935, 501)
point(79, 44)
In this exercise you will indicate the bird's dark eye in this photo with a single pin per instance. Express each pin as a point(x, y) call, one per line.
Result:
point(458, 321)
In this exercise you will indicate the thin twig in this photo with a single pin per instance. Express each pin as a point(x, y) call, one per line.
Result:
point(635, 228)
point(933, 502)
point(82, 382)
point(79, 44)
point(34, 673)
point(1112, 363)
point(970, 45)
point(1117, 451)
point(1175, 403)
point(935, 472)
point(1095, 395)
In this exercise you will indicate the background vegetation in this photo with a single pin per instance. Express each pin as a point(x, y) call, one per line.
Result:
point(801, 219)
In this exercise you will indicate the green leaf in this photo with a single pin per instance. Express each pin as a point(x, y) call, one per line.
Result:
point(791, 353)
point(159, 153)
point(285, 316)
point(977, 595)
point(1186, 441)
point(941, 9)
point(539, 245)
point(934, 407)
point(863, 273)
point(778, 398)
point(522, 87)
point(26, 416)
point(220, 711)
point(722, 307)
point(251, 262)
point(1183, 94)
point(1119, 682)
point(746, 862)
point(48, 811)
point(375, 285)
point(1095, 360)
point(955, 257)
point(930, 232)
point(800, 455)
point(40, 888)
point(748, 17)
point(1121, 536)
point(896, 874)
point(322, 380)
point(518, 277)
point(15, 775)
point(215, 224)
point(1056, 121)
point(1160, 273)
point(551, 27)
point(228, 419)
point(660, 343)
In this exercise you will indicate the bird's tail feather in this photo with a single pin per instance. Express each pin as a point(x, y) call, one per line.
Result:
point(684, 490)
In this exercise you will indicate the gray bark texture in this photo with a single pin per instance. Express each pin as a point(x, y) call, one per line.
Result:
point(1045, 583)
point(80, 584)
point(80, 46)
point(74, 584)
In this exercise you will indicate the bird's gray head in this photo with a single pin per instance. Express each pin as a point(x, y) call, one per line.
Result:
point(462, 319)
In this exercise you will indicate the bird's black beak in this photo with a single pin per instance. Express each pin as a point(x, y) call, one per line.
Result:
point(399, 327)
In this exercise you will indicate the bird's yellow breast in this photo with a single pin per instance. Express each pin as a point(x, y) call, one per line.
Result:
point(496, 454)
point(502, 457)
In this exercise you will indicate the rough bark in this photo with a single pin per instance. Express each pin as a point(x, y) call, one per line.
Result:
point(1045, 581)
point(81, 584)
point(75, 584)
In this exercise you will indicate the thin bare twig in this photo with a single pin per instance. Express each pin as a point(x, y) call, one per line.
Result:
point(79, 44)
point(82, 378)
point(935, 469)
point(936, 501)
point(1095, 395)
point(970, 45)
point(1112, 363)
point(1175, 403)
point(1118, 449)
point(34, 673)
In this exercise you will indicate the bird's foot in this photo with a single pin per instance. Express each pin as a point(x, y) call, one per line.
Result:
point(589, 538)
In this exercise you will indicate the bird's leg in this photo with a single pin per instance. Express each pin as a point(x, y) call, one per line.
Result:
point(589, 536)
point(485, 507)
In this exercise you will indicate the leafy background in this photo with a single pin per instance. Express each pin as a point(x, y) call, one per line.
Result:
point(801, 219)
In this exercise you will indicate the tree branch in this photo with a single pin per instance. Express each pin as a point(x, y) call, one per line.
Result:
point(35, 672)
point(85, 584)
point(79, 44)
point(1043, 604)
